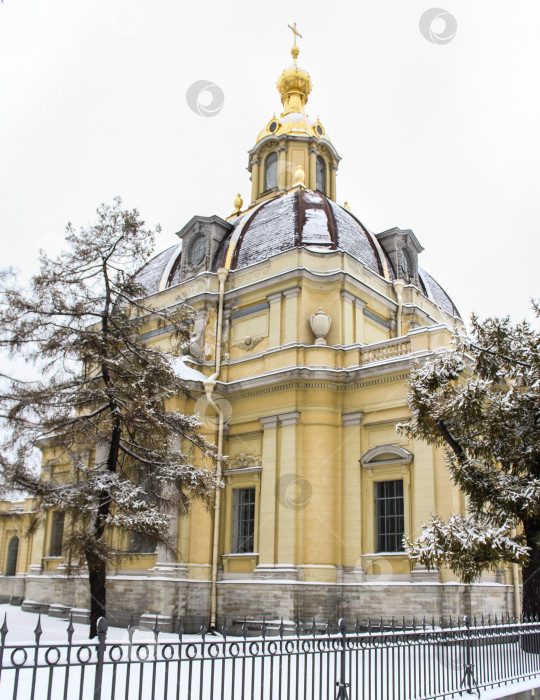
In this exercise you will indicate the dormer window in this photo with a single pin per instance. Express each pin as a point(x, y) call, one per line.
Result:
point(321, 175)
point(405, 266)
point(270, 172)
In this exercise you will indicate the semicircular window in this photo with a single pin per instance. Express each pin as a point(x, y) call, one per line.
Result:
point(321, 175)
point(270, 172)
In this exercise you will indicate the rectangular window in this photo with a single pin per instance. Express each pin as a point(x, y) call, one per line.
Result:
point(389, 516)
point(57, 534)
point(243, 520)
point(142, 544)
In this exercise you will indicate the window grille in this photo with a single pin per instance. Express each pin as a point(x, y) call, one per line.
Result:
point(389, 516)
point(243, 520)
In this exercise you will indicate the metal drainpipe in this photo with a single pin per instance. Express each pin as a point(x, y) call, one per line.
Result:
point(209, 388)
point(398, 285)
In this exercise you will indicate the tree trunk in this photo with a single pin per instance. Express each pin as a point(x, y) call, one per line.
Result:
point(97, 571)
point(531, 573)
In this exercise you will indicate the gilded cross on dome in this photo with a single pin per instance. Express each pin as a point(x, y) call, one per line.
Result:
point(295, 50)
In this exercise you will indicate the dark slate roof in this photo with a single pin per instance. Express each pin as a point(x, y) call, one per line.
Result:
point(437, 294)
point(150, 274)
point(299, 218)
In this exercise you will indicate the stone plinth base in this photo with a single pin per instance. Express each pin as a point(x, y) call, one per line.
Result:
point(145, 597)
point(59, 610)
point(276, 572)
point(164, 622)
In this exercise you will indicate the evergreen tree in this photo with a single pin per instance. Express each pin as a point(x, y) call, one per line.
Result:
point(481, 402)
point(104, 391)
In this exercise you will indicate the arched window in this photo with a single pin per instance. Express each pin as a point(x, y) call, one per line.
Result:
point(57, 534)
point(270, 172)
point(321, 175)
point(12, 555)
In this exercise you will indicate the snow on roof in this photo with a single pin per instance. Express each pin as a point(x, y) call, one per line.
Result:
point(183, 371)
point(316, 227)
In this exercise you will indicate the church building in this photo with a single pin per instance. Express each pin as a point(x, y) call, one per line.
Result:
point(306, 324)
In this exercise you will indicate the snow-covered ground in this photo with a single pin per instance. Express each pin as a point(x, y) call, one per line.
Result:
point(203, 672)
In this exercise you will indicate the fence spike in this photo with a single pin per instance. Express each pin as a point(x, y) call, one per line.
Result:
point(156, 629)
point(38, 631)
point(414, 624)
point(474, 621)
point(342, 625)
point(180, 630)
point(369, 625)
point(404, 624)
point(313, 629)
point(4, 629)
point(357, 627)
point(496, 623)
point(433, 623)
point(298, 627)
point(450, 623)
point(424, 624)
point(70, 629)
point(224, 628)
point(244, 628)
point(441, 622)
point(131, 629)
point(263, 627)
point(202, 631)
point(482, 620)
point(393, 625)
point(281, 629)
point(328, 629)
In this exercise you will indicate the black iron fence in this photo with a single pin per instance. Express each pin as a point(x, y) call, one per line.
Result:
point(280, 662)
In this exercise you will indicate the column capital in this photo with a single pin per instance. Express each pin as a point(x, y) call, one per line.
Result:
point(269, 422)
point(351, 419)
point(313, 150)
point(347, 296)
point(289, 418)
point(292, 292)
point(273, 298)
point(359, 303)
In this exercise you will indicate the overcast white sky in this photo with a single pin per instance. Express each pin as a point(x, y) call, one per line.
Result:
point(443, 139)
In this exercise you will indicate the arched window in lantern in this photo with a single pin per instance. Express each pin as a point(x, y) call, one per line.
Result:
point(270, 172)
point(321, 175)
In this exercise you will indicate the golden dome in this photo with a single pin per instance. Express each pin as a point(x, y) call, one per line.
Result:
point(294, 84)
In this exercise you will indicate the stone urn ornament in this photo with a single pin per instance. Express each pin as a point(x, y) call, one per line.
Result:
point(320, 325)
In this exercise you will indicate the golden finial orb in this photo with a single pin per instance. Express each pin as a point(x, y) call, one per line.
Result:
point(238, 202)
point(346, 206)
point(295, 50)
